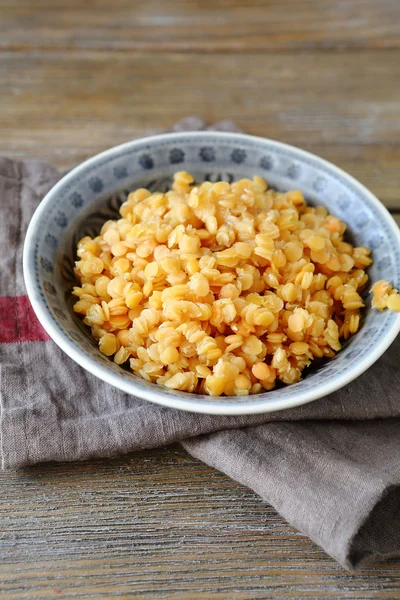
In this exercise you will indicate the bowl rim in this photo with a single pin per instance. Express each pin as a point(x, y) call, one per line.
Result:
point(186, 401)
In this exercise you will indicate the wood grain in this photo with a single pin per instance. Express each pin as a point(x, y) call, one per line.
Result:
point(66, 106)
point(80, 76)
point(200, 26)
point(159, 524)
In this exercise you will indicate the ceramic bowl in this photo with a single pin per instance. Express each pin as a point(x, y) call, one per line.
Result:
point(92, 192)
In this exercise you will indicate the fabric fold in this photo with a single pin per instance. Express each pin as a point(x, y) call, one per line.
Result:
point(335, 482)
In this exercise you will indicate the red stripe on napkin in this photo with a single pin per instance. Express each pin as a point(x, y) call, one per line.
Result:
point(18, 322)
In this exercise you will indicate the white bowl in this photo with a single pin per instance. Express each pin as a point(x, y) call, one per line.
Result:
point(92, 193)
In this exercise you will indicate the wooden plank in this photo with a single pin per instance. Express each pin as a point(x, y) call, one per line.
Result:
point(207, 26)
point(159, 524)
point(64, 107)
point(80, 77)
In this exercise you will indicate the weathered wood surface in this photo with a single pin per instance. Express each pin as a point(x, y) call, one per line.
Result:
point(80, 76)
point(159, 525)
point(65, 106)
point(201, 26)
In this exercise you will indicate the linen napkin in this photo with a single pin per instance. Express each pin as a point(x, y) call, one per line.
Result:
point(331, 467)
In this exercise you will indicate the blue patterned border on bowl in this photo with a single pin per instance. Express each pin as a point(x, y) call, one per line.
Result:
point(92, 193)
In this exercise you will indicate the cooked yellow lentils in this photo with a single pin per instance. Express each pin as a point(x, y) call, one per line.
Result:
point(385, 296)
point(220, 288)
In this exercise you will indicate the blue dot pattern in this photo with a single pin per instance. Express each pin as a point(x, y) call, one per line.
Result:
point(361, 220)
point(61, 219)
point(176, 156)
point(266, 163)
point(293, 171)
point(46, 264)
point(120, 172)
point(207, 154)
point(238, 156)
point(51, 241)
point(146, 161)
point(320, 184)
point(96, 184)
point(76, 200)
point(344, 203)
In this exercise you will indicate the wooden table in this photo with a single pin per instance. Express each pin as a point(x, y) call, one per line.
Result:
point(80, 76)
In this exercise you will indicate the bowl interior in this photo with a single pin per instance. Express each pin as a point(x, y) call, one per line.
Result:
point(93, 192)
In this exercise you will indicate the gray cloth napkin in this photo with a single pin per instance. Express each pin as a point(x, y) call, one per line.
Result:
point(331, 467)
